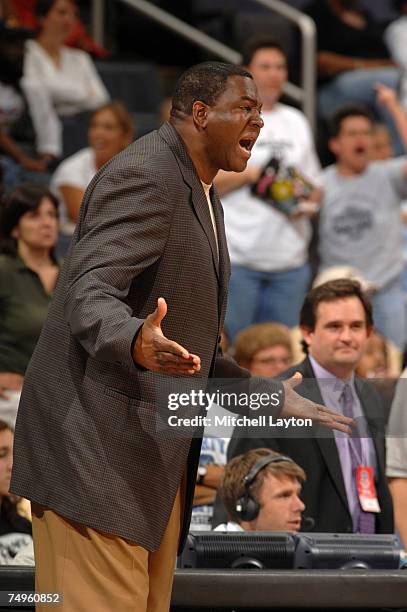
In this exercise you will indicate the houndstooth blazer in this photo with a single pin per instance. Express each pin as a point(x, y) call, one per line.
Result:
point(85, 442)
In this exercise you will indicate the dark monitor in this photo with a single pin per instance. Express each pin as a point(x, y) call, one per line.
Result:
point(346, 551)
point(282, 550)
point(238, 550)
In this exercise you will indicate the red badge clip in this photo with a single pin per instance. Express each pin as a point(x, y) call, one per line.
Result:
point(366, 489)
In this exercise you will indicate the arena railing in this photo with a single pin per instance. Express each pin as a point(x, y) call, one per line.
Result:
point(304, 94)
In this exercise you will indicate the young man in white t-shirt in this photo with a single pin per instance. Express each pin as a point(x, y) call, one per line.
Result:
point(268, 249)
point(360, 216)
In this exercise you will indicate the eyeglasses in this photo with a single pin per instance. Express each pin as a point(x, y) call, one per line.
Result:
point(273, 360)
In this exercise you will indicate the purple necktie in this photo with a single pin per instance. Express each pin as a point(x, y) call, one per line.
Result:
point(366, 521)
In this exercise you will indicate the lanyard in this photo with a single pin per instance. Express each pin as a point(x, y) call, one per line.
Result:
point(360, 459)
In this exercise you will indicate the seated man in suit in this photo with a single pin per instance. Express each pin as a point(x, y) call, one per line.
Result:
point(261, 492)
point(336, 321)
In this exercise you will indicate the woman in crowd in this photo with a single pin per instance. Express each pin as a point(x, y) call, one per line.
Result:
point(265, 349)
point(58, 80)
point(374, 362)
point(28, 274)
point(15, 529)
point(111, 130)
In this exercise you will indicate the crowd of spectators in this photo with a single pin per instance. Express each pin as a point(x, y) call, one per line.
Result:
point(275, 212)
point(28, 274)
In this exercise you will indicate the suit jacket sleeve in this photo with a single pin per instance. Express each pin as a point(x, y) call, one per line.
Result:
point(123, 228)
point(227, 367)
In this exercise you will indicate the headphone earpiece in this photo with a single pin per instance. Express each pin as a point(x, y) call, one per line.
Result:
point(247, 508)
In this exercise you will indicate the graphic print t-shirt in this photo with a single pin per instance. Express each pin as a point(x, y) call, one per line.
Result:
point(360, 220)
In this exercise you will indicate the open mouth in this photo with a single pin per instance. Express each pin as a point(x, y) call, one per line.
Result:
point(247, 144)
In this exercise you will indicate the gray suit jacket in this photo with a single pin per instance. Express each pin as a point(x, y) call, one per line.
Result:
point(86, 444)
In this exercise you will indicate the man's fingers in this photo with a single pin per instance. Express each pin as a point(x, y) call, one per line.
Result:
point(192, 362)
point(297, 405)
point(334, 420)
point(155, 352)
point(161, 344)
point(178, 369)
point(294, 380)
point(337, 416)
point(174, 351)
point(333, 424)
point(342, 428)
point(159, 313)
point(170, 363)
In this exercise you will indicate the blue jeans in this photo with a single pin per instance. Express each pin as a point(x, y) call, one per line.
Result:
point(390, 314)
point(358, 86)
point(255, 297)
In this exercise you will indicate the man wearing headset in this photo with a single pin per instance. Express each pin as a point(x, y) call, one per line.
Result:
point(261, 492)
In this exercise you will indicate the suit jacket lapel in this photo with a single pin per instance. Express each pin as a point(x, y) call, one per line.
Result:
point(224, 261)
point(368, 403)
point(324, 437)
point(191, 178)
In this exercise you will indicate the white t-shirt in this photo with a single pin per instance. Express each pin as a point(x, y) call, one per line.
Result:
point(258, 236)
point(360, 222)
point(229, 526)
point(75, 171)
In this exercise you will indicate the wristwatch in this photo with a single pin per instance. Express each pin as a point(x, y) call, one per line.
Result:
point(202, 471)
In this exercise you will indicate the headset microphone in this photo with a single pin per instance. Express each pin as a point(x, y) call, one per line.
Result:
point(307, 523)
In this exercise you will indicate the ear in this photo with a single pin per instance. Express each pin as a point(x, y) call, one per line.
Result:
point(200, 112)
point(369, 330)
point(306, 334)
point(333, 145)
point(14, 233)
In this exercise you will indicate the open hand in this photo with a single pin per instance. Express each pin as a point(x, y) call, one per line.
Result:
point(297, 406)
point(154, 351)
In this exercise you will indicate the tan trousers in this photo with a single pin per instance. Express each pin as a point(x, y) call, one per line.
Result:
point(96, 571)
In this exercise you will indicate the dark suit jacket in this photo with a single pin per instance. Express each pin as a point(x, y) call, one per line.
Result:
point(86, 443)
point(324, 492)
